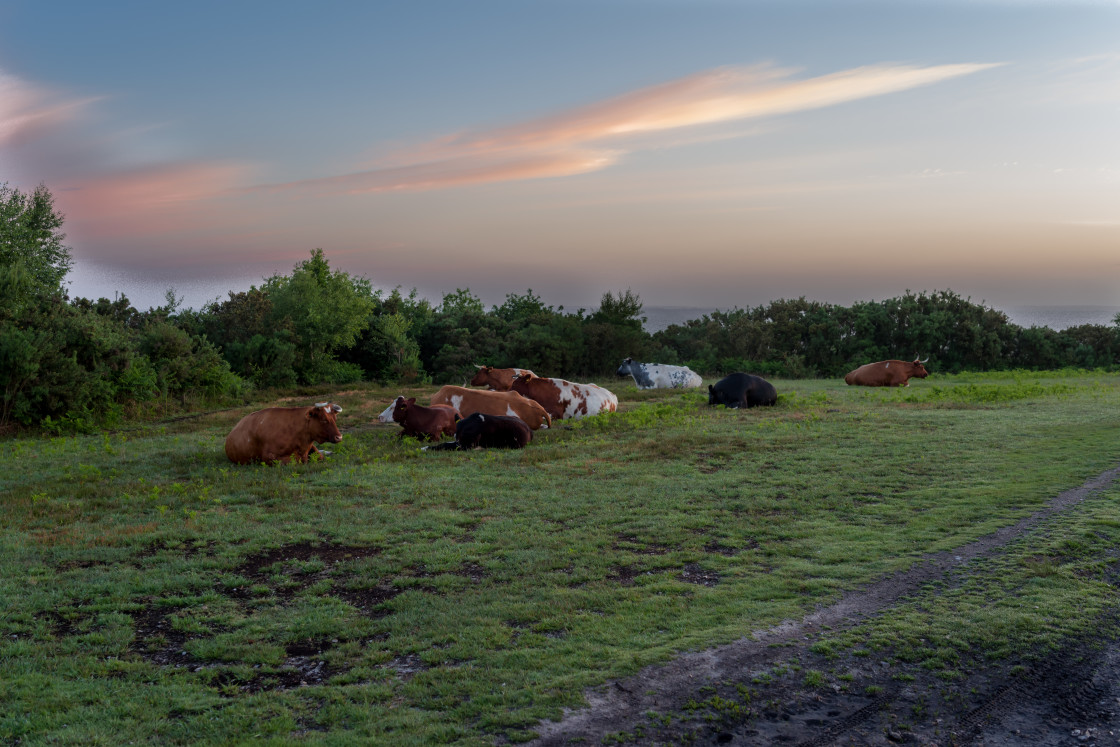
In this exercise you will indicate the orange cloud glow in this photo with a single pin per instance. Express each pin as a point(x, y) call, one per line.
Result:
point(462, 170)
point(591, 138)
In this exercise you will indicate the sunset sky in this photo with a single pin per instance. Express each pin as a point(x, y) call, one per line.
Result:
point(699, 152)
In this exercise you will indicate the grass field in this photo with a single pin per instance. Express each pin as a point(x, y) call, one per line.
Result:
point(152, 591)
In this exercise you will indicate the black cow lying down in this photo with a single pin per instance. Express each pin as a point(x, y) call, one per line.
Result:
point(742, 390)
point(479, 431)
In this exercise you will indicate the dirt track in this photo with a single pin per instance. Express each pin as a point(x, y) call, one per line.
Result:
point(1073, 697)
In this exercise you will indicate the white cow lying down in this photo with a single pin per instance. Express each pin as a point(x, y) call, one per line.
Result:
point(659, 375)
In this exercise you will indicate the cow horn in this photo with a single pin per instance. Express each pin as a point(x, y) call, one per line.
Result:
point(927, 358)
point(321, 404)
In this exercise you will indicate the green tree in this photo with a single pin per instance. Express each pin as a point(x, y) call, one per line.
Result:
point(326, 311)
point(31, 236)
point(613, 332)
point(388, 349)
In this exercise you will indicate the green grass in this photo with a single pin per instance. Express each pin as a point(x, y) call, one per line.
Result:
point(152, 591)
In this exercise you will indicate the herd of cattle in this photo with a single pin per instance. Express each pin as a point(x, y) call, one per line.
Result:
point(515, 403)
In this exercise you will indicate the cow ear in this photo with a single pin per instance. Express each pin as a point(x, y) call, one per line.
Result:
point(710, 389)
point(410, 401)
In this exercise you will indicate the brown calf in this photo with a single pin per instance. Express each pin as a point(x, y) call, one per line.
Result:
point(419, 421)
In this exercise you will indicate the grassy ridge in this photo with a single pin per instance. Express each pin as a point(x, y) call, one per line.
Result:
point(151, 590)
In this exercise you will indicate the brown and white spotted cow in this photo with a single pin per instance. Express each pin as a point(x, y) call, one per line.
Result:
point(565, 399)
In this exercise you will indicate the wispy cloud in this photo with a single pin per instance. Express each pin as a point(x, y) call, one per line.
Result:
point(27, 111)
point(99, 183)
point(594, 137)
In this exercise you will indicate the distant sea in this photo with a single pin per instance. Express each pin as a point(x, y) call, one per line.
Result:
point(1054, 317)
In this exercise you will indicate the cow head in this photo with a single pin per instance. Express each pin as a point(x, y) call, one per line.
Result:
point(400, 408)
point(386, 415)
point(917, 370)
point(321, 418)
point(624, 369)
point(482, 378)
point(714, 397)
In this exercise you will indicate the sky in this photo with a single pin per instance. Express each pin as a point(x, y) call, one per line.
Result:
point(702, 153)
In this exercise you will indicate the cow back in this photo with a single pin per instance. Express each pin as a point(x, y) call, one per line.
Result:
point(492, 432)
point(281, 433)
point(742, 390)
point(664, 376)
point(497, 379)
point(566, 399)
point(885, 373)
point(469, 401)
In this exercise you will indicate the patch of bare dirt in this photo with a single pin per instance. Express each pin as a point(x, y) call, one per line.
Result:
point(631, 543)
point(755, 690)
point(156, 640)
point(329, 554)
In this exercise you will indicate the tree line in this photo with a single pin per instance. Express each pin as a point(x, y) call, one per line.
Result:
point(77, 364)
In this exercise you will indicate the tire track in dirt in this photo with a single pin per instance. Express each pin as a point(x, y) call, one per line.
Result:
point(620, 706)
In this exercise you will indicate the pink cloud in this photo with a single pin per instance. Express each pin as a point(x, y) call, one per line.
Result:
point(148, 201)
point(593, 137)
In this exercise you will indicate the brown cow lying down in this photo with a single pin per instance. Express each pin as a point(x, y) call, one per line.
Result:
point(467, 400)
point(887, 373)
point(419, 421)
point(478, 431)
point(283, 433)
point(497, 379)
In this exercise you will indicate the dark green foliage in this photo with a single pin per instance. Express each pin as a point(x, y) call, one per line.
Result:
point(256, 346)
point(80, 365)
point(614, 332)
point(460, 335)
point(266, 361)
point(387, 350)
point(806, 338)
point(185, 366)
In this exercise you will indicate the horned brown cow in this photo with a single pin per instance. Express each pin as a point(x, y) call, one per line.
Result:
point(419, 421)
point(467, 401)
point(282, 433)
point(497, 379)
point(565, 399)
point(887, 373)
